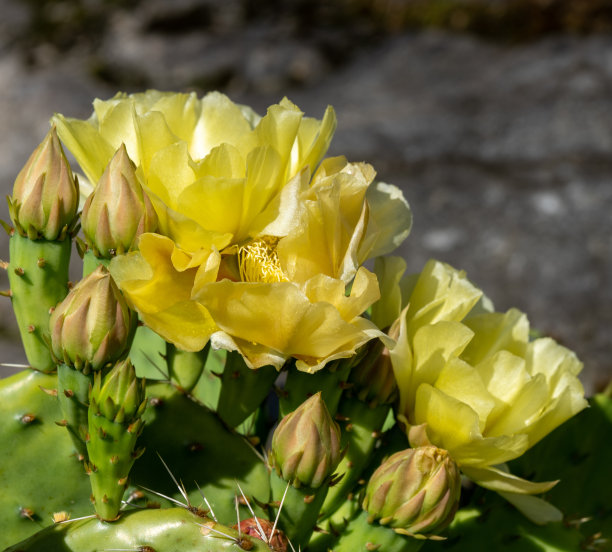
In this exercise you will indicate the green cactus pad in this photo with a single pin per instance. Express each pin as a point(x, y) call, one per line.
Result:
point(201, 450)
point(147, 354)
point(38, 276)
point(39, 472)
point(243, 389)
point(166, 530)
point(300, 385)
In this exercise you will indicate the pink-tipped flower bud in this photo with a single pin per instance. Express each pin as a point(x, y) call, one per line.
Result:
point(306, 445)
point(45, 194)
point(415, 491)
point(118, 211)
point(90, 328)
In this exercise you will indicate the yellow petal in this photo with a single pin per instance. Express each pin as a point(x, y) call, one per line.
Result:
point(91, 151)
point(313, 141)
point(223, 161)
point(280, 317)
point(221, 120)
point(562, 408)
point(214, 203)
point(181, 112)
point(432, 348)
point(170, 172)
point(460, 380)
point(333, 225)
point(526, 407)
point(504, 374)
point(279, 129)
point(402, 362)
point(264, 168)
point(364, 292)
point(499, 480)
point(495, 332)
point(533, 508)
point(450, 423)
point(186, 324)
point(390, 221)
point(440, 293)
point(149, 279)
point(545, 356)
point(389, 271)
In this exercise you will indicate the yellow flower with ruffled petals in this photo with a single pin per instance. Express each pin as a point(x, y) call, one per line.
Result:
point(213, 169)
point(471, 382)
point(283, 292)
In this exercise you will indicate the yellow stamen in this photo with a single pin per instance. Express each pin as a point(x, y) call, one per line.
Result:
point(258, 261)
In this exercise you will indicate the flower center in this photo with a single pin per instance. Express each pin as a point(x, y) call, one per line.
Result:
point(258, 261)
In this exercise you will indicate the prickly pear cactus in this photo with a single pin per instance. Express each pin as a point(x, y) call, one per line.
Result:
point(233, 377)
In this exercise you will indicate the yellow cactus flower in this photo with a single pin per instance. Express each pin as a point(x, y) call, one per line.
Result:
point(213, 169)
point(471, 381)
point(278, 294)
point(242, 227)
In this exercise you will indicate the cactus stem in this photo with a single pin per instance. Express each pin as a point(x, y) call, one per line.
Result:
point(7, 293)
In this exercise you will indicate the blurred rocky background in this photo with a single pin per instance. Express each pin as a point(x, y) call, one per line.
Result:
point(494, 116)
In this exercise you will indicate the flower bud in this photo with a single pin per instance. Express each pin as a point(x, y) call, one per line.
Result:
point(120, 397)
point(90, 328)
point(415, 491)
point(118, 210)
point(306, 444)
point(45, 194)
point(373, 378)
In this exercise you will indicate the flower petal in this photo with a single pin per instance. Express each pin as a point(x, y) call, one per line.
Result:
point(499, 480)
